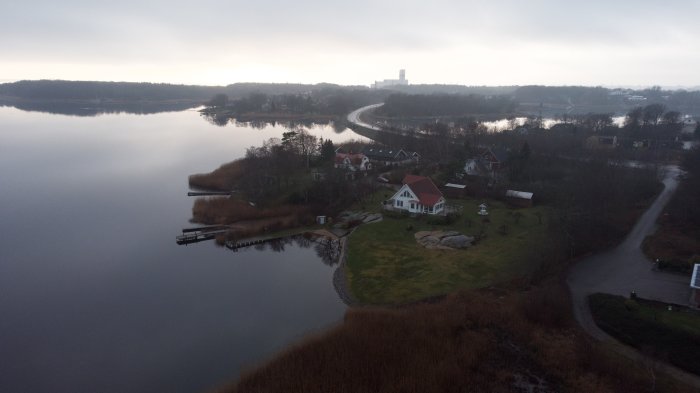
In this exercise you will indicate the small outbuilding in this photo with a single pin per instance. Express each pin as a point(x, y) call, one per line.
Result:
point(695, 287)
point(454, 190)
point(519, 198)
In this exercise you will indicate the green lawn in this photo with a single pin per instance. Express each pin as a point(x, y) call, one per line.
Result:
point(386, 266)
point(672, 335)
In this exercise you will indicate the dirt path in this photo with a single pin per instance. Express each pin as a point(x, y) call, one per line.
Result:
point(625, 269)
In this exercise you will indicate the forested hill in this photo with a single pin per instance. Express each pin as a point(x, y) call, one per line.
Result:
point(130, 91)
point(117, 91)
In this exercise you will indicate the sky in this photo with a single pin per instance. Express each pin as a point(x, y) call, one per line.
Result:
point(216, 42)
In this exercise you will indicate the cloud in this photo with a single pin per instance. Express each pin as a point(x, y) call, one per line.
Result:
point(358, 38)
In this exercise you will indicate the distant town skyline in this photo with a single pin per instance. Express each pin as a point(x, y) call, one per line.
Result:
point(503, 42)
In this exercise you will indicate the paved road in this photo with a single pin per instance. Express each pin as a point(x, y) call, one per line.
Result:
point(624, 269)
point(354, 117)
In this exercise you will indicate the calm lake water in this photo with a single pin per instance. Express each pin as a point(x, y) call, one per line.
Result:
point(95, 296)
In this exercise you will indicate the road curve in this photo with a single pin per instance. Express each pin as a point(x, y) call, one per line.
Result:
point(355, 117)
point(625, 269)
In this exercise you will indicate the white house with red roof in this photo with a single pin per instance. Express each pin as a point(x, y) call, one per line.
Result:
point(419, 195)
point(353, 162)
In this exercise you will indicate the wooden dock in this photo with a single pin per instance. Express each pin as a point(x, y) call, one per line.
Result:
point(199, 236)
point(210, 193)
point(205, 229)
point(235, 245)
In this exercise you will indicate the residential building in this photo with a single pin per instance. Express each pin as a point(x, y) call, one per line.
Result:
point(390, 156)
point(419, 195)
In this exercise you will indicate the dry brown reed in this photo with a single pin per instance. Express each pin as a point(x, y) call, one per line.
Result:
point(472, 341)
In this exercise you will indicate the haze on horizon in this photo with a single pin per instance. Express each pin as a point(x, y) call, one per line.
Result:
point(215, 42)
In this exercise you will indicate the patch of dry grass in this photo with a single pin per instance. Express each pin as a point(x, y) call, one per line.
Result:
point(221, 179)
point(470, 341)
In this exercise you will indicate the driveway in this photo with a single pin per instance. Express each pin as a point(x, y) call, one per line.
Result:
point(624, 269)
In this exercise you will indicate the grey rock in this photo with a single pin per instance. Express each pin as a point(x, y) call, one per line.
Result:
point(459, 241)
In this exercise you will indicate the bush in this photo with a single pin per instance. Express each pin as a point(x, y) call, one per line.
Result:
point(396, 214)
point(676, 265)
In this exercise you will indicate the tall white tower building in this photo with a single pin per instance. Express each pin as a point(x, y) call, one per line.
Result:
point(392, 82)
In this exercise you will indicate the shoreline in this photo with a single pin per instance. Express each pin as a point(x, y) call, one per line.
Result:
point(340, 280)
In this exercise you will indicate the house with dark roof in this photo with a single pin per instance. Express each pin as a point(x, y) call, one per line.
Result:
point(419, 195)
point(601, 142)
point(386, 156)
point(494, 158)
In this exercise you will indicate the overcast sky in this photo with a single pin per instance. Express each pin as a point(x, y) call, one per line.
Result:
point(215, 42)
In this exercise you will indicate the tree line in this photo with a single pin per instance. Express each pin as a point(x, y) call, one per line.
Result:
point(404, 105)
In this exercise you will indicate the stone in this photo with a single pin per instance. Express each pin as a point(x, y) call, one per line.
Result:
point(421, 234)
point(372, 218)
point(447, 240)
point(458, 241)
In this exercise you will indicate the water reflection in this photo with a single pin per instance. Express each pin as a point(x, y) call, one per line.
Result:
point(327, 249)
point(223, 119)
point(96, 108)
point(113, 304)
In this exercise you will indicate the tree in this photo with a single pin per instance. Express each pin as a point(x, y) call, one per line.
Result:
point(525, 151)
point(671, 117)
point(651, 114)
point(218, 101)
point(327, 150)
point(634, 117)
point(300, 143)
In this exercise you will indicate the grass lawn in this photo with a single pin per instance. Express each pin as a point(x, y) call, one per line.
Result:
point(672, 335)
point(385, 265)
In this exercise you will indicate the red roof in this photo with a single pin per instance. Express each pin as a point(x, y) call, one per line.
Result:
point(424, 188)
point(355, 159)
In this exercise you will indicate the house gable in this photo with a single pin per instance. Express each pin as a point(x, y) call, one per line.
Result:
point(419, 195)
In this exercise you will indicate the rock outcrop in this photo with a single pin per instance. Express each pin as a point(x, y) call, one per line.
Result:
point(445, 240)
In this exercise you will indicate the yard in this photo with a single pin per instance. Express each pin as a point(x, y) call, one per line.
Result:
point(385, 265)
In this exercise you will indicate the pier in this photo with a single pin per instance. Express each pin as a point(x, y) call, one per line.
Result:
point(210, 193)
point(195, 235)
point(235, 245)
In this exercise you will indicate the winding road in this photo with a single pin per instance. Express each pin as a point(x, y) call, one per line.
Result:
point(355, 117)
point(625, 269)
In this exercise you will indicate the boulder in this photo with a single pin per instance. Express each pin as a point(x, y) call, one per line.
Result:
point(421, 234)
point(458, 241)
point(372, 218)
point(447, 240)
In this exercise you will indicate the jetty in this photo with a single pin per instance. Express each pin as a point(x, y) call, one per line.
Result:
point(210, 193)
point(200, 234)
point(235, 245)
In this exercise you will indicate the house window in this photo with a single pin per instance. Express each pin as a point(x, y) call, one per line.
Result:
point(430, 209)
point(399, 203)
point(413, 205)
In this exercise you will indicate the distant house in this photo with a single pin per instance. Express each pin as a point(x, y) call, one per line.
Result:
point(386, 156)
point(689, 125)
point(519, 198)
point(353, 162)
point(643, 144)
point(471, 167)
point(601, 142)
point(418, 195)
point(494, 158)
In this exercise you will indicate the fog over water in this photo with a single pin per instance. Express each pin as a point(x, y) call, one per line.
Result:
point(95, 295)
